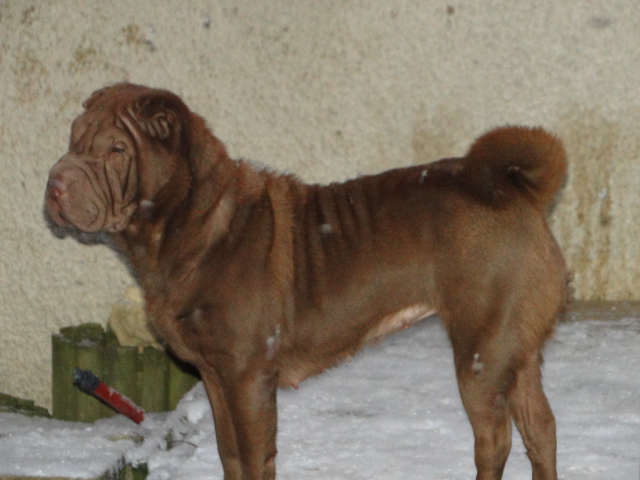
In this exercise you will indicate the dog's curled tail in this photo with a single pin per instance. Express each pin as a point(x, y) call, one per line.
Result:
point(522, 159)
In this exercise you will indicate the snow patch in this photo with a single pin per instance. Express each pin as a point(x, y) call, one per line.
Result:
point(477, 367)
point(325, 228)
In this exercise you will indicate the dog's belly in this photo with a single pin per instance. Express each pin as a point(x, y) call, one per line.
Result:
point(295, 368)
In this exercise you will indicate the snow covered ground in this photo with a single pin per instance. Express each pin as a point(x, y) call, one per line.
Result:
point(41, 447)
point(392, 413)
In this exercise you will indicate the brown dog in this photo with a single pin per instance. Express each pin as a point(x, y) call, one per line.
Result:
point(260, 280)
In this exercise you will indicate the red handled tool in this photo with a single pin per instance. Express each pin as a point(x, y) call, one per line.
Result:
point(88, 382)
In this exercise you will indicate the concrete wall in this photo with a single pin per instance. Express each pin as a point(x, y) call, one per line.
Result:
point(323, 88)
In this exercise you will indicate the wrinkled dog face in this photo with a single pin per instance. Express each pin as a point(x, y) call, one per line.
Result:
point(123, 148)
point(93, 186)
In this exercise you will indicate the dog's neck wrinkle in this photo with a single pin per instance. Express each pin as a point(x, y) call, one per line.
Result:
point(189, 223)
point(222, 196)
point(200, 176)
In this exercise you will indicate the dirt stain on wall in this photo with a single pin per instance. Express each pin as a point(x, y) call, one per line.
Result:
point(585, 227)
point(135, 36)
point(29, 71)
point(28, 16)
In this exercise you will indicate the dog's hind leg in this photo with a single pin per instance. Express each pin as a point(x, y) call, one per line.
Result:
point(483, 392)
point(534, 418)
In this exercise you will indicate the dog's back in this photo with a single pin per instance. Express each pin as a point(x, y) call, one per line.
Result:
point(440, 234)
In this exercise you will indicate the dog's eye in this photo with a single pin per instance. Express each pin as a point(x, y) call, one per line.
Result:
point(118, 148)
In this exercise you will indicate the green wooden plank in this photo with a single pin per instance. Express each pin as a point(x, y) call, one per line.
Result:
point(64, 394)
point(182, 378)
point(91, 357)
point(153, 378)
point(121, 370)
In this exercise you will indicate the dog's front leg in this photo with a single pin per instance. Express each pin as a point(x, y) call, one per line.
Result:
point(225, 432)
point(244, 411)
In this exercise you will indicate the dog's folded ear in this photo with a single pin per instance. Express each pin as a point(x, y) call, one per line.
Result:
point(158, 116)
point(95, 96)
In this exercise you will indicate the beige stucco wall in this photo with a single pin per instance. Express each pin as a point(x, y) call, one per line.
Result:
point(323, 88)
